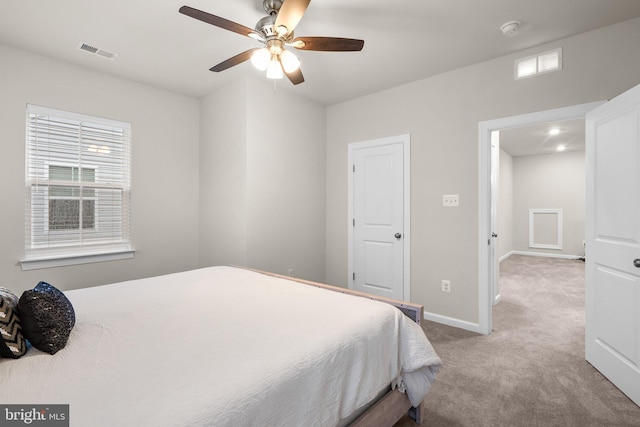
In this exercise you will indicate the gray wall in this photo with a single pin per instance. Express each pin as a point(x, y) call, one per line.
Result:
point(505, 205)
point(262, 180)
point(212, 157)
point(442, 114)
point(550, 181)
point(165, 167)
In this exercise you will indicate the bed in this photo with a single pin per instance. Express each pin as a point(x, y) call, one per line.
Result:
point(227, 346)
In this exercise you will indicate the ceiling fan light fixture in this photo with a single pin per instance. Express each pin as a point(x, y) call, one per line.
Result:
point(289, 61)
point(297, 43)
point(282, 30)
point(261, 58)
point(274, 70)
point(256, 36)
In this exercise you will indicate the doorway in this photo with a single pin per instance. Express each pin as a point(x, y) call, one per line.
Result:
point(487, 240)
point(379, 217)
point(539, 192)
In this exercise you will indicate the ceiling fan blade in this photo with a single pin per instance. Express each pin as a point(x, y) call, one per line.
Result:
point(329, 44)
point(295, 77)
point(290, 14)
point(235, 60)
point(216, 20)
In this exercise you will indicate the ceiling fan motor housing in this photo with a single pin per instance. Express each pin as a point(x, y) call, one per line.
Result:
point(266, 26)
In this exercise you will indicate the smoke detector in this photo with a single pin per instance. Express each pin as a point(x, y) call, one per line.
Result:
point(510, 28)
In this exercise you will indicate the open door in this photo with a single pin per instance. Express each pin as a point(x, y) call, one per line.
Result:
point(613, 241)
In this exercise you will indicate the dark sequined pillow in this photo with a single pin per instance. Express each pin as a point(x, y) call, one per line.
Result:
point(47, 317)
point(12, 342)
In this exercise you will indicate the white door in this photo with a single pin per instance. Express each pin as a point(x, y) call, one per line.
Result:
point(378, 218)
point(495, 196)
point(613, 241)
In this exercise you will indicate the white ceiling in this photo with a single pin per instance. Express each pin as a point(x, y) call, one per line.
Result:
point(536, 140)
point(405, 40)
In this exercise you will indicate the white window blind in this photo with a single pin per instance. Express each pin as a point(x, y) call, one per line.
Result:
point(78, 185)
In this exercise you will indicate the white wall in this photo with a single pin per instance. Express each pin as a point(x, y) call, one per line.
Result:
point(223, 177)
point(236, 178)
point(550, 181)
point(442, 114)
point(505, 205)
point(165, 167)
point(262, 180)
point(222, 209)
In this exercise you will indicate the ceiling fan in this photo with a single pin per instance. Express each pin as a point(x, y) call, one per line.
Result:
point(275, 31)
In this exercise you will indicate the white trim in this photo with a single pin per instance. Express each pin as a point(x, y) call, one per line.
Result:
point(33, 263)
point(532, 243)
point(47, 111)
point(405, 140)
point(540, 254)
point(505, 256)
point(452, 321)
point(484, 193)
point(546, 255)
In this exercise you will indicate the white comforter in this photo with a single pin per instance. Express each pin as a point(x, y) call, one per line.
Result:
point(222, 346)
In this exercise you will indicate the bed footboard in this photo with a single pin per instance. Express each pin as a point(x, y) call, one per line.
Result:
point(413, 311)
point(388, 410)
point(393, 405)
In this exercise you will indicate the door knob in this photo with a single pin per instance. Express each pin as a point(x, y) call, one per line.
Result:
point(398, 235)
point(636, 262)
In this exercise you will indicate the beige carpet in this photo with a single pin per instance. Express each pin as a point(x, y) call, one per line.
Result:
point(531, 370)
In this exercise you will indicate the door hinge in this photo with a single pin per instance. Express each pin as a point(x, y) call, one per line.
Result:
point(354, 276)
point(354, 222)
point(354, 168)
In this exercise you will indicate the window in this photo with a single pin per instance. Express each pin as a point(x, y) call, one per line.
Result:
point(539, 64)
point(65, 209)
point(78, 188)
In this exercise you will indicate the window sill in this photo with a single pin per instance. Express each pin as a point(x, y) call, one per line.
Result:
point(35, 263)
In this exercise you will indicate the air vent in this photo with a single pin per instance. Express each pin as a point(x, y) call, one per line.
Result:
point(97, 51)
point(538, 64)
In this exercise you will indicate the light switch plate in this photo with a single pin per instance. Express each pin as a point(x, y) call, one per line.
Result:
point(450, 200)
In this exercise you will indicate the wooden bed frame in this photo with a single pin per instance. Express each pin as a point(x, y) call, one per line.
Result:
point(393, 405)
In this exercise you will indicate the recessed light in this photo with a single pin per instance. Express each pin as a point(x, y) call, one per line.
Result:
point(554, 131)
point(561, 148)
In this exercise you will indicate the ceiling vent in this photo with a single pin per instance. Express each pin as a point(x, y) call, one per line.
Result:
point(538, 64)
point(97, 51)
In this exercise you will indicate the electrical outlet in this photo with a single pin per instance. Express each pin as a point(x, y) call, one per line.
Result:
point(446, 286)
point(290, 272)
point(450, 200)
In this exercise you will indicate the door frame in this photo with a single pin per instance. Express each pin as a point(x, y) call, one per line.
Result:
point(405, 140)
point(485, 259)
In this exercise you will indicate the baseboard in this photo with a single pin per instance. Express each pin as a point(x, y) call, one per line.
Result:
point(451, 321)
point(505, 256)
point(544, 254)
